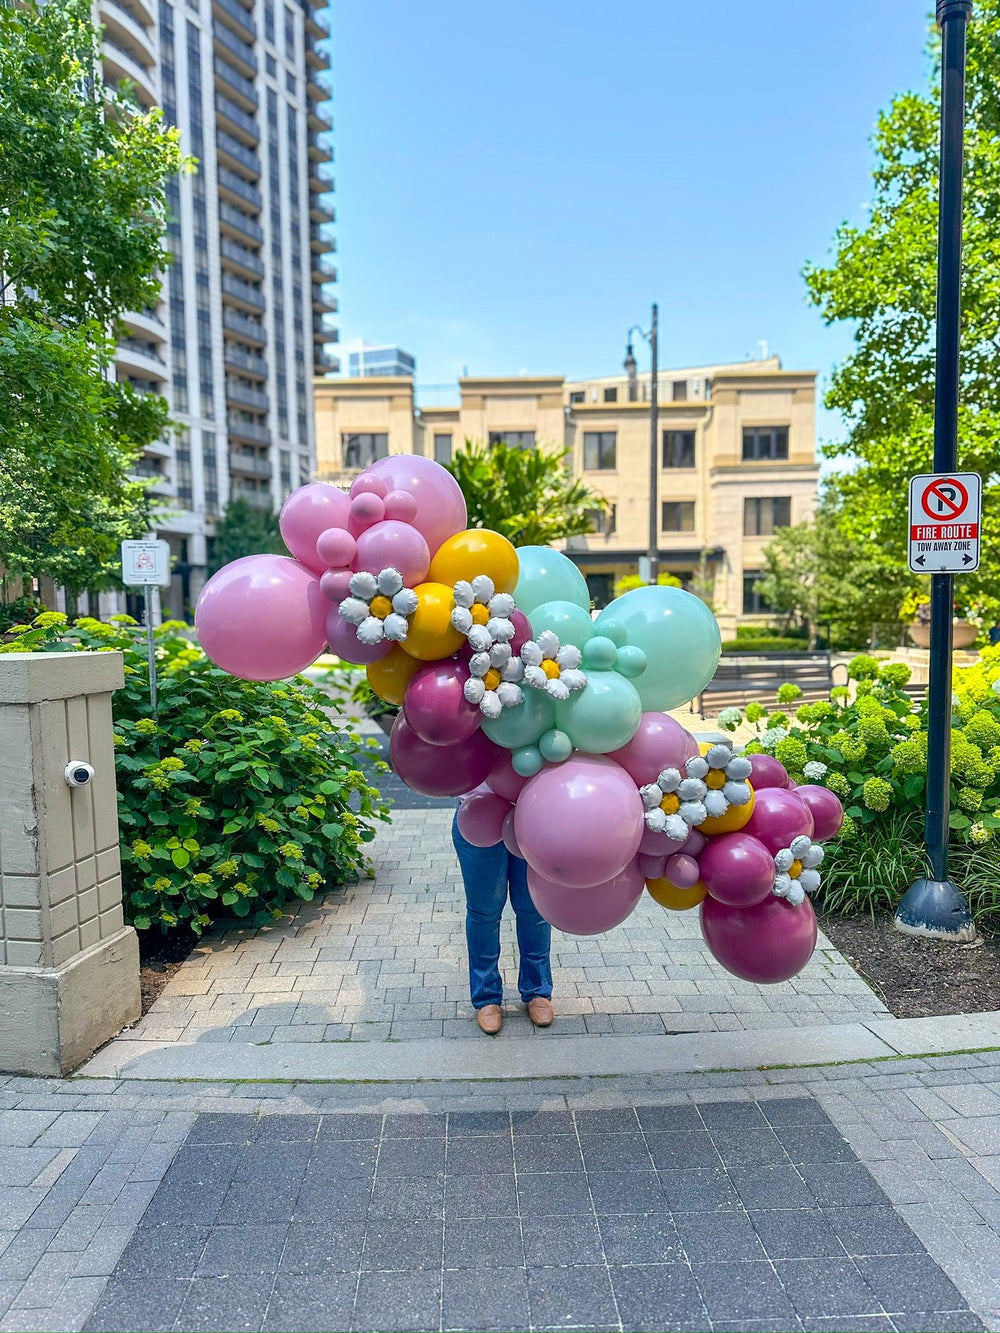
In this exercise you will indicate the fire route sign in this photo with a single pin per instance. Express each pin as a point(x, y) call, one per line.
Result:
point(945, 522)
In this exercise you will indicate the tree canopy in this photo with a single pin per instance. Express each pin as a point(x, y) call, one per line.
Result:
point(246, 530)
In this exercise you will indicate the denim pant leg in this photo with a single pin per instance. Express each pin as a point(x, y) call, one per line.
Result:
point(534, 936)
point(484, 872)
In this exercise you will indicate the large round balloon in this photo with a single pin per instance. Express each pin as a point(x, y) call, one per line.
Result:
point(441, 508)
point(826, 810)
point(659, 742)
point(580, 823)
point(503, 780)
point(262, 617)
point(431, 634)
point(481, 818)
point(766, 771)
point(569, 622)
point(476, 551)
point(344, 642)
point(737, 869)
point(778, 817)
point(587, 911)
point(439, 770)
point(676, 897)
point(436, 707)
point(547, 575)
point(394, 545)
point(306, 515)
point(679, 636)
point(523, 725)
point(603, 716)
point(390, 675)
point(764, 944)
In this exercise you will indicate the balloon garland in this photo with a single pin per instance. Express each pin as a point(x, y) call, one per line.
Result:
point(552, 726)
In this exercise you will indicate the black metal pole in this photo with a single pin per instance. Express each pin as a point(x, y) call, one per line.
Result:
point(933, 906)
point(654, 462)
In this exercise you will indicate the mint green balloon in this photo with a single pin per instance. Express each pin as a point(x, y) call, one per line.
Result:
point(569, 622)
point(555, 746)
point(603, 716)
point(527, 761)
point(517, 728)
point(679, 636)
point(547, 575)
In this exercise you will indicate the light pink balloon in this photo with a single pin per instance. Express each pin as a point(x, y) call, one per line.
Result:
point(366, 509)
point(335, 548)
point(661, 742)
point(344, 642)
point(435, 705)
point(481, 818)
point(827, 812)
point(652, 867)
point(262, 617)
point(504, 781)
point(580, 823)
point(395, 544)
point(400, 505)
point(440, 770)
point(335, 584)
point(778, 817)
point(682, 870)
point(765, 944)
point(693, 844)
point(367, 484)
point(587, 911)
point(441, 510)
point(510, 837)
point(306, 515)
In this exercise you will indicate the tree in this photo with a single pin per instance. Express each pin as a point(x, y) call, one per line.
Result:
point(882, 277)
point(527, 495)
point(82, 216)
point(629, 582)
point(245, 530)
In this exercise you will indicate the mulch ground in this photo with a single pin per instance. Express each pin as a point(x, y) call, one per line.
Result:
point(160, 956)
point(915, 977)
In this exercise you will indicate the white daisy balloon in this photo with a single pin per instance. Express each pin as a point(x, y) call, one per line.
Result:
point(674, 803)
point(482, 614)
point(725, 777)
point(494, 682)
point(552, 667)
point(380, 606)
point(796, 869)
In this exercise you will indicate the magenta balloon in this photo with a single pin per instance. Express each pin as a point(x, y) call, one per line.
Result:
point(504, 781)
point(661, 742)
point(580, 823)
point(652, 867)
point(335, 584)
point(441, 510)
point(522, 631)
point(765, 944)
point(397, 544)
point(826, 810)
point(766, 772)
point(307, 514)
point(440, 770)
point(344, 642)
point(509, 836)
point(262, 617)
point(400, 505)
point(435, 706)
point(591, 910)
point(481, 819)
point(737, 869)
point(682, 870)
point(335, 548)
point(778, 817)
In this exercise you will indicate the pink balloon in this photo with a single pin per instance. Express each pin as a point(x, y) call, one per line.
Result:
point(693, 843)
point(652, 867)
point(307, 514)
point(661, 742)
point(737, 869)
point(344, 642)
point(366, 509)
point(481, 819)
point(765, 944)
point(826, 810)
point(440, 770)
point(435, 706)
point(766, 772)
point(335, 584)
point(335, 548)
point(441, 510)
point(591, 910)
point(366, 484)
point(682, 870)
point(504, 781)
point(262, 617)
point(580, 823)
point(400, 505)
point(522, 631)
point(397, 544)
point(778, 817)
point(509, 836)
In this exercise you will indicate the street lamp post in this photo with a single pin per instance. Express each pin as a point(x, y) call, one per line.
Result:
point(653, 554)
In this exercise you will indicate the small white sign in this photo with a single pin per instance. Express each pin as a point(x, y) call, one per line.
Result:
point(946, 512)
point(146, 563)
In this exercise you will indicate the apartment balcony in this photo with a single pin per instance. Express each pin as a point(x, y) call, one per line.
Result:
point(319, 118)
point(236, 50)
point(259, 499)
point(235, 358)
point(321, 210)
point(317, 52)
point(321, 177)
point(317, 87)
point(247, 430)
point(231, 148)
point(144, 322)
point(326, 361)
point(250, 465)
point(233, 12)
point(319, 145)
point(324, 269)
point(143, 11)
point(120, 64)
point(323, 328)
point(161, 448)
point(235, 120)
point(133, 357)
point(323, 297)
point(251, 330)
point(235, 86)
point(246, 397)
point(323, 239)
point(232, 220)
point(128, 31)
point(241, 190)
point(243, 293)
point(317, 20)
point(240, 258)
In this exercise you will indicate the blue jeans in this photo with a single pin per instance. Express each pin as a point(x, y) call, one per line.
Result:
point(490, 873)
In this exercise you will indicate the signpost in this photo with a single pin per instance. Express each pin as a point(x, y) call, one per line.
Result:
point(146, 565)
point(946, 512)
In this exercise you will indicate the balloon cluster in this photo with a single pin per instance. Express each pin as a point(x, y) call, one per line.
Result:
point(551, 724)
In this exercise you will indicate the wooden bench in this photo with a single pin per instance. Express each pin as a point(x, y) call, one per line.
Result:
point(742, 678)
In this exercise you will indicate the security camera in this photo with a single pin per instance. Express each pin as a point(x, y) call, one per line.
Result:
point(78, 773)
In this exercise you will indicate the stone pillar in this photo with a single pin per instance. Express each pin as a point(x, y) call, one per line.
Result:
point(69, 967)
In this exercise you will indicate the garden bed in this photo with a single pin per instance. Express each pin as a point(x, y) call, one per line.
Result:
point(917, 978)
point(160, 956)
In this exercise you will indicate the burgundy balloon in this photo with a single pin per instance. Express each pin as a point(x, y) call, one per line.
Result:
point(764, 944)
point(481, 818)
point(766, 772)
point(587, 911)
point(522, 631)
point(504, 781)
point(343, 640)
point(779, 816)
point(737, 869)
point(510, 837)
point(827, 812)
point(440, 770)
point(661, 742)
point(435, 706)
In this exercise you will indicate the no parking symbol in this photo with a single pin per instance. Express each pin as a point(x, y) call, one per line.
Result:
point(945, 522)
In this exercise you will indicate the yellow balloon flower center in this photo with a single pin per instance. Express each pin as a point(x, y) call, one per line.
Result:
point(670, 803)
point(715, 779)
point(551, 668)
point(380, 607)
point(492, 678)
point(795, 869)
point(480, 615)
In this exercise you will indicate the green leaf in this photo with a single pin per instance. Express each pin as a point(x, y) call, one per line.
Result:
point(142, 923)
point(180, 857)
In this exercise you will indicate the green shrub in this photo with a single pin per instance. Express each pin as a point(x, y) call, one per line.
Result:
point(235, 797)
point(770, 631)
point(18, 610)
point(765, 644)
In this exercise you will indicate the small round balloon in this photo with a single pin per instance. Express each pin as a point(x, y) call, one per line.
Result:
point(546, 575)
point(569, 622)
point(306, 514)
point(393, 545)
point(765, 944)
point(503, 780)
point(524, 725)
point(603, 716)
point(679, 636)
point(481, 818)
point(826, 810)
point(778, 817)
point(674, 897)
point(476, 551)
point(441, 510)
point(344, 642)
point(587, 911)
point(737, 869)
point(765, 771)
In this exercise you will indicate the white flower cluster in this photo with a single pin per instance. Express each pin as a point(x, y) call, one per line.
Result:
point(814, 770)
point(494, 682)
point(552, 667)
point(677, 802)
point(730, 718)
point(379, 606)
point(482, 614)
point(796, 869)
point(772, 736)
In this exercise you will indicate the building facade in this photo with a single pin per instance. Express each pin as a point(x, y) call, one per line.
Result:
point(363, 359)
point(736, 459)
point(243, 324)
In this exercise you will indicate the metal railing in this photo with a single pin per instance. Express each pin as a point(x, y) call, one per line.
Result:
point(240, 221)
point(241, 50)
point(242, 119)
point(237, 12)
point(248, 430)
point(235, 80)
point(251, 329)
point(240, 393)
point(235, 356)
point(246, 156)
point(228, 180)
point(251, 465)
point(242, 291)
point(239, 254)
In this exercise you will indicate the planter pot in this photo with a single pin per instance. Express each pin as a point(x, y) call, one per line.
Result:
point(962, 634)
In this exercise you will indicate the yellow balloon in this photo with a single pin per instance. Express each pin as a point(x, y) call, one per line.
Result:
point(476, 551)
point(733, 820)
point(431, 634)
point(674, 899)
point(390, 676)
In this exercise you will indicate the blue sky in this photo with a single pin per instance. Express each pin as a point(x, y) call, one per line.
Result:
point(517, 181)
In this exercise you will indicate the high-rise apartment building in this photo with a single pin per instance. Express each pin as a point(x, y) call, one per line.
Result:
point(364, 359)
point(243, 324)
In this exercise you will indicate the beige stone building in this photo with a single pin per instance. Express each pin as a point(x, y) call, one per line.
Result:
point(736, 458)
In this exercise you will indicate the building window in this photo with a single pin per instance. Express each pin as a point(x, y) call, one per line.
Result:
point(754, 604)
point(677, 516)
point(600, 448)
point(679, 391)
point(601, 588)
point(577, 396)
point(603, 521)
point(678, 448)
point(611, 395)
point(513, 439)
point(763, 514)
point(764, 442)
point(360, 450)
point(442, 449)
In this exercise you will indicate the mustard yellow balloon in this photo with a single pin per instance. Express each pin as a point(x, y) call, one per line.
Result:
point(431, 634)
point(390, 676)
point(674, 899)
point(476, 551)
point(731, 822)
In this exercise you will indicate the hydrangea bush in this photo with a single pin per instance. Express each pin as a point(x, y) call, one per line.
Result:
point(235, 797)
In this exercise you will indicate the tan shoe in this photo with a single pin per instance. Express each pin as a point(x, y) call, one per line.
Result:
point(490, 1019)
point(540, 1011)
